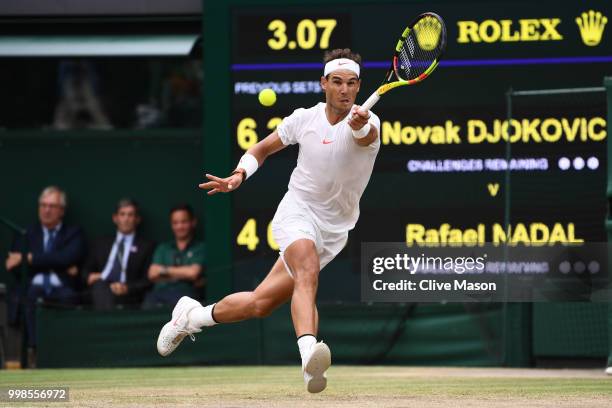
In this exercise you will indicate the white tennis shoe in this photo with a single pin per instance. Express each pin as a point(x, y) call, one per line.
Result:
point(609, 370)
point(314, 370)
point(178, 327)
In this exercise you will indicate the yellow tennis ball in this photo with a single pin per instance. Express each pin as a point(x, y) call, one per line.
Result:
point(267, 97)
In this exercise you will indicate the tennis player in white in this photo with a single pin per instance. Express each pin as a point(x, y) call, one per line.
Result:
point(338, 145)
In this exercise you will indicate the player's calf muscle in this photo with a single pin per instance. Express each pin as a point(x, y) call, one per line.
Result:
point(242, 306)
point(235, 307)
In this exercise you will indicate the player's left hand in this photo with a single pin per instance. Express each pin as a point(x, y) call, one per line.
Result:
point(358, 119)
point(221, 185)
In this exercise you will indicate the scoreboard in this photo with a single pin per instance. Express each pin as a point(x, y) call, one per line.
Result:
point(452, 156)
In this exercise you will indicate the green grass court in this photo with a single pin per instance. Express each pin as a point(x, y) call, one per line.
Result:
point(349, 386)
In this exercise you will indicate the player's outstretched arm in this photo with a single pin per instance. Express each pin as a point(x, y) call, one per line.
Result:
point(253, 158)
point(266, 147)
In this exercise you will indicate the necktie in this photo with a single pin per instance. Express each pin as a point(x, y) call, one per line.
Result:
point(115, 272)
point(48, 248)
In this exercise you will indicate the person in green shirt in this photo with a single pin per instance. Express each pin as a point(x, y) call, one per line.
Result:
point(178, 266)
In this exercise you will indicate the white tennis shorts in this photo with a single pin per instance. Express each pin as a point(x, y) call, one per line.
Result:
point(293, 221)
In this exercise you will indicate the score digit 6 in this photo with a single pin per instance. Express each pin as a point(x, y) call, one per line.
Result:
point(246, 136)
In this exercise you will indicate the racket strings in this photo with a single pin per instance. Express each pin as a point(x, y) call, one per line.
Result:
point(421, 47)
point(404, 62)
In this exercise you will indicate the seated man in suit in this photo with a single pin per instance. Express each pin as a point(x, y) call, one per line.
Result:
point(117, 266)
point(177, 268)
point(54, 250)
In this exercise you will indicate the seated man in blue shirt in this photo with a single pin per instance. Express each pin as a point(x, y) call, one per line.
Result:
point(177, 268)
point(54, 250)
point(116, 268)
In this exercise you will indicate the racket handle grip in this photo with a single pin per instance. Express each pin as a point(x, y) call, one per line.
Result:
point(367, 105)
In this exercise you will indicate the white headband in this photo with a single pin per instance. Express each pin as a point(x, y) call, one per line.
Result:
point(341, 63)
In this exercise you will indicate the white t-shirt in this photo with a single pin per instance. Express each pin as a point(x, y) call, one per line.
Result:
point(332, 170)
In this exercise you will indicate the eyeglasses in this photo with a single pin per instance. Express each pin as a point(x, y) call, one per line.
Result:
point(49, 205)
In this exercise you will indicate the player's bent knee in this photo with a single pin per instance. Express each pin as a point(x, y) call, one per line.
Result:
point(262, 309)
point(258, 308)
point(302, 258)
point(302, 253)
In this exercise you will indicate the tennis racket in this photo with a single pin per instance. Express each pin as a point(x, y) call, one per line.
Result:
point(417, 54)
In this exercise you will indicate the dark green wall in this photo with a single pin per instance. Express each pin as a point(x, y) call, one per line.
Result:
point(466, 335)
point(217, 146)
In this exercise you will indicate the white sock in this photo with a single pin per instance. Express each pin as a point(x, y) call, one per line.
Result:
point(305, 343)
point(202, 316)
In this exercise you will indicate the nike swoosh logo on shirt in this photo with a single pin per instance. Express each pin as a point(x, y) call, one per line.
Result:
point(325, 141)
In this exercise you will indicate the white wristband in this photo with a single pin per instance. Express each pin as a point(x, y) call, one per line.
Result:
point(248, 162)
point(363, 132)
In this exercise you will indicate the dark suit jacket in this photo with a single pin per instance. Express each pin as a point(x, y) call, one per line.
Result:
point(68, 250)
point(137, 269)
